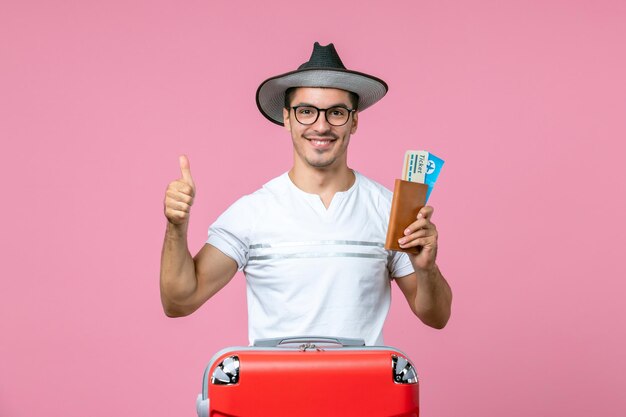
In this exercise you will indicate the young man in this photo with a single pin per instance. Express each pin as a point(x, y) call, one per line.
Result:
point(310, 242)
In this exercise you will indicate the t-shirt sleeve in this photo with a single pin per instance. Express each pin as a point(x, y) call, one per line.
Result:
point(400, 265)
point(230, 233)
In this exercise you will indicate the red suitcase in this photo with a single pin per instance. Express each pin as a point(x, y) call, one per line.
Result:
point(309, 376)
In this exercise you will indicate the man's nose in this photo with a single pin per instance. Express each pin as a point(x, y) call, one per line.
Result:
point(321, 124)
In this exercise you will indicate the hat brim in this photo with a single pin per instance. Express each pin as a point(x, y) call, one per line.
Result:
point(270, 96)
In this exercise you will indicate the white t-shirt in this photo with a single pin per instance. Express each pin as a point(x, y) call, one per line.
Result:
point(312, 270)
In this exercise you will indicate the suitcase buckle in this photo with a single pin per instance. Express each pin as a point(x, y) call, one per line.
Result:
point(306, 346)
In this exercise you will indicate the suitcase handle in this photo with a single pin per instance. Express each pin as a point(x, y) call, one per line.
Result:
point(277, 341)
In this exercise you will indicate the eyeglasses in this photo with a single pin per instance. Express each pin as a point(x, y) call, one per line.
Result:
point(335, 116)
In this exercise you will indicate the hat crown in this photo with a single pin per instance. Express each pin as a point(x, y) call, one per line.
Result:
point(323, 57)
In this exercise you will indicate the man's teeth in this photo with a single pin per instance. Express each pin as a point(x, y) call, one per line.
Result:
point(320, 142)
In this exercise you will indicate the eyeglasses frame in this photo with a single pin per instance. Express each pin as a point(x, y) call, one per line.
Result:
point(294, 108)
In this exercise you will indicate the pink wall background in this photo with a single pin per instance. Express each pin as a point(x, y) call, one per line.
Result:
point(525, 100)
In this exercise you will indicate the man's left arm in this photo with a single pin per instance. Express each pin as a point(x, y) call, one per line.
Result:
point(426, 290)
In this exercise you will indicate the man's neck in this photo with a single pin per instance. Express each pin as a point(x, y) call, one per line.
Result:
point(322, 181)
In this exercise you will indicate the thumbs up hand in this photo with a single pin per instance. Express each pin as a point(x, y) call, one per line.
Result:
point(179, 195)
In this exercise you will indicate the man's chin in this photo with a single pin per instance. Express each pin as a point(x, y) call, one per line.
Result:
point(320, 164)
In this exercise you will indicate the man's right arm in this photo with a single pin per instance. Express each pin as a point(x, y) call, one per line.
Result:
point(186, 282)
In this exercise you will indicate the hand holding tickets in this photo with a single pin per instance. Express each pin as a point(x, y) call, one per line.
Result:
point(179, 195)
point(410, 229)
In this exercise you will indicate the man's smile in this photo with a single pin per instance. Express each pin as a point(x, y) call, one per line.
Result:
point(320, 141)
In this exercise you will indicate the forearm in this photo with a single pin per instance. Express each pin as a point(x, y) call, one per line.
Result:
point(178, 280)
point(433, 298)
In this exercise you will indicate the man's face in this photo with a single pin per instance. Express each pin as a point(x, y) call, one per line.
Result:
point(320, 145)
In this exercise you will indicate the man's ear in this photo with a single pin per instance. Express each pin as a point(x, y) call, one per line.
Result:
point(355, 122)
point(286, 120)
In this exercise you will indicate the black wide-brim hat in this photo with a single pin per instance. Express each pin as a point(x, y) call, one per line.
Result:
point(324, 69)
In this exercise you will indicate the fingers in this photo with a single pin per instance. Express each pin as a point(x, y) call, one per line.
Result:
point(421, 243)
point(418, 225)
point(422, 237)
point(178, 202)
point(422, 222)
point(185, 169)
point(180, 194)
point(425, 212)
point(421, 232)
point(181, 187)
point(424, 232)
point(176, 195)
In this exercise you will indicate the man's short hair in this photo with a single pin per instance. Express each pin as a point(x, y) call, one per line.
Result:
point(354, 98)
